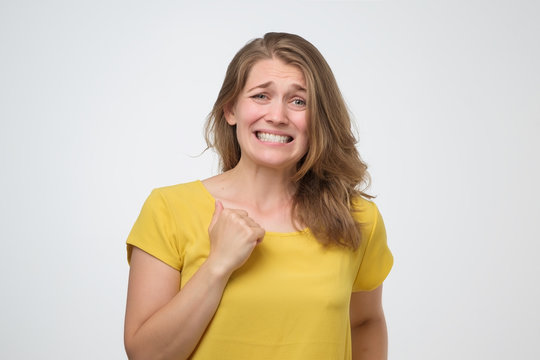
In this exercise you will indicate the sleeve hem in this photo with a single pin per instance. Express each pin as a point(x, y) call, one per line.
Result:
point(384, 273)
point(374, 277)
point(146, 249)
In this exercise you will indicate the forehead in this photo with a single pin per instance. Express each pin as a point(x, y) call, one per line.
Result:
point(275, 70)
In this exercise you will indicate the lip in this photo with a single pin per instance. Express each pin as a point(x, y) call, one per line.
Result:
point(273, 132)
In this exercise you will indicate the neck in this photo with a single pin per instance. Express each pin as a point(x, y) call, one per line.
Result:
point(265, 193)
point(262, 188)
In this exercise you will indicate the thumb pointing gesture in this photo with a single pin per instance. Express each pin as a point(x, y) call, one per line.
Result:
point(217, 212)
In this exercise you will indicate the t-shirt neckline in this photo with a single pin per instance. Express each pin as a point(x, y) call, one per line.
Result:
point(268, 233)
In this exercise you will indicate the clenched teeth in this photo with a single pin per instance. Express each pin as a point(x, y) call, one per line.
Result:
point(266, 137)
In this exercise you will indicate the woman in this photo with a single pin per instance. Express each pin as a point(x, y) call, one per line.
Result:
point(279, 256)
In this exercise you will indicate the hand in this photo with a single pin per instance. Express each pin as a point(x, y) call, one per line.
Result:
point(233, 236)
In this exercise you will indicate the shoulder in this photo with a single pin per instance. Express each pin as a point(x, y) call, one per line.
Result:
point(364, 211)
point(184, 193)
point(184, 188)
point(180, 199)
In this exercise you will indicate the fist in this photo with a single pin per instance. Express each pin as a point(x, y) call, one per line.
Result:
point(233, 236)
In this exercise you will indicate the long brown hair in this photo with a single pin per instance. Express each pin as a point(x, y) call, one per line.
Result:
point(331, 174)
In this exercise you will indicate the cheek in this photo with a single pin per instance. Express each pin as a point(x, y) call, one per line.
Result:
point(301, 122)
point(250, 113)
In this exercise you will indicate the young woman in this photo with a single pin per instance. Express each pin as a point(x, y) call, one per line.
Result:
point(280, 256)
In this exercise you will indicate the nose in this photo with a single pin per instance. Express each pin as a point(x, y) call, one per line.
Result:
point(277, 113)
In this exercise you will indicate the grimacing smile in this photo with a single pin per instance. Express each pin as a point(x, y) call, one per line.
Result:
point(274, 138)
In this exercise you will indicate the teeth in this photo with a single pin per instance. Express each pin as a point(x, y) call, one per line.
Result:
point(273, 138)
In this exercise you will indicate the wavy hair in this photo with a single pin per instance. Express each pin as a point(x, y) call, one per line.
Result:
point(331, 174)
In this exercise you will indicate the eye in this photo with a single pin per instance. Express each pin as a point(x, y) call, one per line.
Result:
point(299, 102)
point(259, 97)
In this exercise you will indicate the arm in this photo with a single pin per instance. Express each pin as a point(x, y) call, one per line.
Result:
point(160, 321)
point(368, 326)
point(164, 323)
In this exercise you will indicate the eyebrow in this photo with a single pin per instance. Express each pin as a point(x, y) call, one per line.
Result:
point(267, 84)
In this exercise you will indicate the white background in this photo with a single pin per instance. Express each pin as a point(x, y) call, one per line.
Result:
point(101, 101)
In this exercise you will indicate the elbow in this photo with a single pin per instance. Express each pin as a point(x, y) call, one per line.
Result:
point(137, 349)
point(129, 346)
point(134, 350)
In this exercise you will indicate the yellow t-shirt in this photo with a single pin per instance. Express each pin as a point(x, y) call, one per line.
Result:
point(290, 300)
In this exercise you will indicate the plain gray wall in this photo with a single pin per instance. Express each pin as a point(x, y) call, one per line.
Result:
point(101, 101)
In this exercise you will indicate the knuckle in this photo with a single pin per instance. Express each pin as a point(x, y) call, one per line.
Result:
point(235, 215)
point(225, 212)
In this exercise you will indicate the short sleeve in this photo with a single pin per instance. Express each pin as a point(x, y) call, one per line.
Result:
point(154, 231)
point(377, 259)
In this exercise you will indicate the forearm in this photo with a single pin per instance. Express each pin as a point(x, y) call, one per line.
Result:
point(370, 340)
point(174, 331)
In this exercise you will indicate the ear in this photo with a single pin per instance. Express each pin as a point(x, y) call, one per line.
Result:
point(228, 111)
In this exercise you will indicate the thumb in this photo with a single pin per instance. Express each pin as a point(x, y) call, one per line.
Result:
point(217, 212)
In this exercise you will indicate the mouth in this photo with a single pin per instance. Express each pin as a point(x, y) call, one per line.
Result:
point(273, 138)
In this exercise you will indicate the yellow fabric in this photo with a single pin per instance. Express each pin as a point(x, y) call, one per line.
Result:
point(290, 300)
